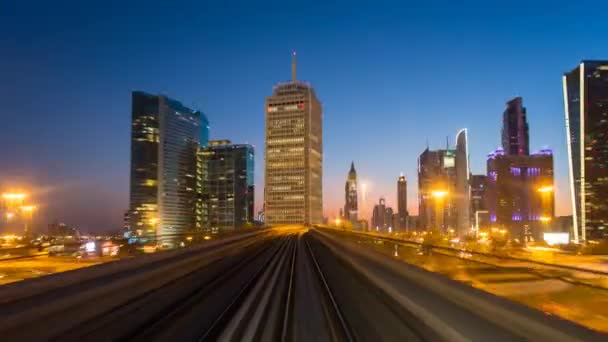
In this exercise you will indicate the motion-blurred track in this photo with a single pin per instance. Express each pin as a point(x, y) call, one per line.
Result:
point(282, 285)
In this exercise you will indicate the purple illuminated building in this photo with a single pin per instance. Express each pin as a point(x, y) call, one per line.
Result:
point(519, 191)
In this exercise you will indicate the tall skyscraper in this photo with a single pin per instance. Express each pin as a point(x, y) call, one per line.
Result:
point(225, 187)
point(164, 139)
point(402, 203)
point(436, 189)
point(586, 108)
point(294, 154)
point(462, 189)
point(515, 139)
point(350, 195)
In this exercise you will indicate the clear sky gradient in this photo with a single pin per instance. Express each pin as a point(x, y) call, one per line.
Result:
point(391, 76)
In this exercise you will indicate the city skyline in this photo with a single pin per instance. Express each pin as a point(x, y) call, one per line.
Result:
point(50, 165)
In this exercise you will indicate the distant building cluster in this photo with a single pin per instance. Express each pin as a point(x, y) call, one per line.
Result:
point(182, 183)
point(516, 196)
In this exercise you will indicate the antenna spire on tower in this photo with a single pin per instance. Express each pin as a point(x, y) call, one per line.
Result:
point(293, 66)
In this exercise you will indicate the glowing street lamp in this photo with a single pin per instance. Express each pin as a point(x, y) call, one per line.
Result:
point(439, 194)
point(14, 196)
point(28, 208)
point(545, 189)
point(9, 216)
point(545, 219)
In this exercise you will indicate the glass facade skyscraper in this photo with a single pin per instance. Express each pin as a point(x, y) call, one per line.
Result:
point(586, 109)
point(437, 175)
point(515, 130)
point(462, 189)
point(402, 203)
point(225, 187)
point(164, 138)
point(350, 196)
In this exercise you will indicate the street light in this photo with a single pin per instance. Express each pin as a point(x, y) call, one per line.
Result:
point(13, 196)
point(545, 189)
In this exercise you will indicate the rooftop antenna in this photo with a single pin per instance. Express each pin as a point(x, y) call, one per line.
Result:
point(447, 142)
point(293, 66)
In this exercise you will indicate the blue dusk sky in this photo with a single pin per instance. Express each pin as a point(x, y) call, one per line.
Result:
point(392, 76)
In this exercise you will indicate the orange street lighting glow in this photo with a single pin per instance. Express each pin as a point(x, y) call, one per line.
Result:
point(9, 216)
point(545, 219)
point(13, 195)
point(545, 189)
point(439, 193)
point(28, 208)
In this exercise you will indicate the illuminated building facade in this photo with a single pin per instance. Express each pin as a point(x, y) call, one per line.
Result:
point(586, 108)
point(519, 190)
point(479, 200)
point(515, 136)
point(350, 195)
point(402, 213)
point(436, 189)
point(164, 139)
point(294, 155)
point(225, 187)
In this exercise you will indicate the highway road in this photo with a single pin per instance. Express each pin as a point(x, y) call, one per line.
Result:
point(279, 285)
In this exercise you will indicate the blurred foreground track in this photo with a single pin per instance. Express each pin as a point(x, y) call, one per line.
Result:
point(282, 285)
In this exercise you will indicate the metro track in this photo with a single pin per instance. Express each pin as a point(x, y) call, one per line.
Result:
point(294, 285)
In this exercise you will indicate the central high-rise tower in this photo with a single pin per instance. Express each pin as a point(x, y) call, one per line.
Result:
point(294, 154)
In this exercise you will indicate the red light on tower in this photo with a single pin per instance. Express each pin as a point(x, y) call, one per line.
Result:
point(301, 105)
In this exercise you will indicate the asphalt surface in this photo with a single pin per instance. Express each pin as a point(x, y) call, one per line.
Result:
point(291, 285)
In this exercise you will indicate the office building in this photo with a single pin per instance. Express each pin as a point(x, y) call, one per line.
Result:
point(350, 196)
point(402, 204)
point(462, 191)
point(586, 108)
point(479, 211)
point(164, 138)
point(436, 189)
point(519, 192)
point(382, 217)
point(225, 187)
point(294, 154)
point(515, 138)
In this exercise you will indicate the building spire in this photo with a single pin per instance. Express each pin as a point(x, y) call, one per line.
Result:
point(293, 66)
point(352, 167)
